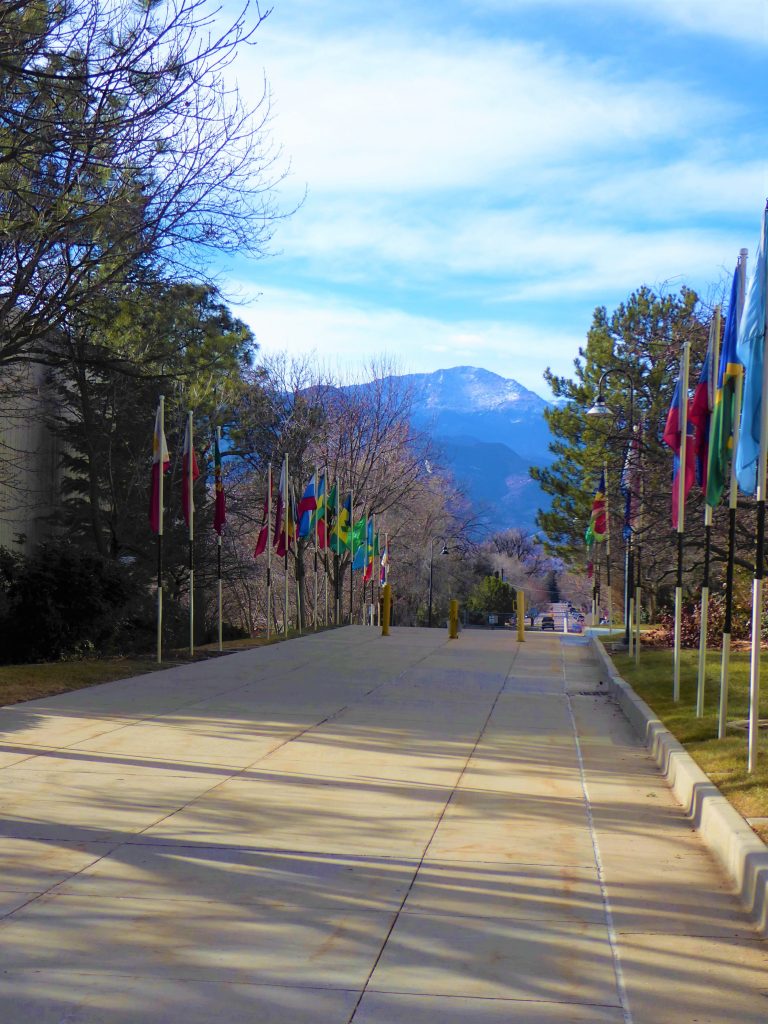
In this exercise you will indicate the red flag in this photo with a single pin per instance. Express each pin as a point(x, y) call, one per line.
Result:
point(263, 538)
point(672, 437)
point(161, 462)
point(189, 456)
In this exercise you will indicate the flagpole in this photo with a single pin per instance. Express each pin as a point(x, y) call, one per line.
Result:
point(337, 566)
point(315, 518)
point(757, 586)
point(351, 550)
point(286, 501)
point(298, 565)
point(714, 356)
point(608, 550)
point(684, 372)
point(638, 556)
point(191, 535)
point(269, 548)
point(725, 665)
point(160, 537)
point(218, 563)
point(327, 541)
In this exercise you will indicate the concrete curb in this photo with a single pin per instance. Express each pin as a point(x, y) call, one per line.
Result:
point(743, 855)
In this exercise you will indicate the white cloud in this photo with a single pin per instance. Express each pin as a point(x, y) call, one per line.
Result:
point(388, 113)
point(348, 335)
point(744, 22)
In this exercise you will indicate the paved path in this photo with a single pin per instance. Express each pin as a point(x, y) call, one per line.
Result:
point(351, 828)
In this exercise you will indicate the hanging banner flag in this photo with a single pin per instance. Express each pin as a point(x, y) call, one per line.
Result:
point(597, 529)
point(278, 533)
point(384, 566)
point(370, 543)
point(702, 404)
point(263, 538)
point(629, 483)
point(307, 506)
point(319, 516)
point(359, 539)
point(729, 375)
point(341, 532)
point(672, 437)
point(750, 348)
point(189, 466)
point(161, 462)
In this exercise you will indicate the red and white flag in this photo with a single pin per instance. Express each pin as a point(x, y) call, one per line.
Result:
point(161, 462)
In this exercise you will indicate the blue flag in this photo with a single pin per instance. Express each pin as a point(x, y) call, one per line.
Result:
point(750, 348)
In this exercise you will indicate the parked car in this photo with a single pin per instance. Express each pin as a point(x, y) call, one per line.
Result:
point(548, 622)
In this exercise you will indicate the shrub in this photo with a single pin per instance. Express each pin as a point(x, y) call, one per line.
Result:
point(61, 603)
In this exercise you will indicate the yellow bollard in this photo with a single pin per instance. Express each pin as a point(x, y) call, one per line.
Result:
point(386, 608)
point(453, 621)
point(520, 616)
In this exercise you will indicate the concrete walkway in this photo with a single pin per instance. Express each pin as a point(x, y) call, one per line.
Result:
point(350, 828)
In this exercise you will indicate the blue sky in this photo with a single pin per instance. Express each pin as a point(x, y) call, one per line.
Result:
point(481, 174)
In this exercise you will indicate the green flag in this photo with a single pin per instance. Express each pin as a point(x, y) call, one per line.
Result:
point(358, 532)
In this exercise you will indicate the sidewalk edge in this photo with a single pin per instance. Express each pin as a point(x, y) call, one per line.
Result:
point(742, 854)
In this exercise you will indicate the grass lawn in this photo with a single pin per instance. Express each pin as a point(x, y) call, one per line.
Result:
point(725, 761)
point(28, 682)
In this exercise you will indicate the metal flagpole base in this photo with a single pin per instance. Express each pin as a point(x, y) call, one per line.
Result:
point(702, 652)
point(637, 625)
point(159, 625)
point(754, 674)
point(631, 632)
point(221, 626)
point(678, 639)
point(725, 668)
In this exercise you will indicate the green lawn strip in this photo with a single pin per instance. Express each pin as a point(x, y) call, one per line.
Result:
point(46, 679)
point(724, 761)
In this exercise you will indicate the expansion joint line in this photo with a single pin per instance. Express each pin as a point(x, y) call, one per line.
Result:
point(438, 823)
point(613, 940)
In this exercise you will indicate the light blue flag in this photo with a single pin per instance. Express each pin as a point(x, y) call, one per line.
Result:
point(750, 348)
point(360, 557)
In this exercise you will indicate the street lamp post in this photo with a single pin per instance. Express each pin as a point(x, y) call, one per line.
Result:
point(444, 551)
point(600, 408)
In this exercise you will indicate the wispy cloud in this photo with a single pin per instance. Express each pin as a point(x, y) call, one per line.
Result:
point(348, 335)
point(745, 22)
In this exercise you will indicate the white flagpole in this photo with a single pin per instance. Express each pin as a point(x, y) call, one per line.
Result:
point(639, 547)
point(191, 513)
point(713, 369)
point(270, 541)
point(684, 372)
point(757, 586)
point(315, 518)
point(160, 537)
point(286, 502)
point(218, 560)
point(725, 664)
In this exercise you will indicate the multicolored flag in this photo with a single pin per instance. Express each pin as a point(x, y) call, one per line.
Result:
point(188, 458)
point(598, 527)
point(750, 348)
point(161, 462)
point(307, 506)
point(220, 504)
point(319, 516)
point(721, 425)
point(370, 545)
point(630, 482)
point(341, 532)
point(699, 415)
point(672, 437)
point(263, 538)
point(360, 543)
